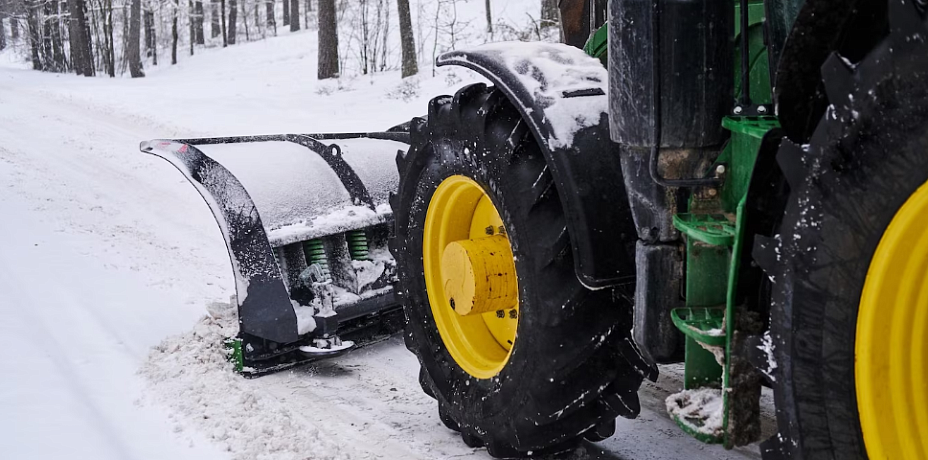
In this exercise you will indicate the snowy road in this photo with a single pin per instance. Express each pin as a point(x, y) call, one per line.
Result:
point(105, 252)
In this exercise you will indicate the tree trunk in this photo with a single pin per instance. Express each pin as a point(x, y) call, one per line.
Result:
point(174, 33)
point(151, 42)
point(14, 28)
point(233, 21)
point(198, 6)
point(328, 40)
point(215, 29)
point(271, 16)
point(192, 20)
point(135, 55)
point(2, 32)
point(286, 12)
point(294, 15)
point(32, 24)
point(222, 15)
point(110, 50)
point(245, 20)
point(83, 28)
point(548, 13)
point(490, 17)
point(54, 51)
point(408, 45)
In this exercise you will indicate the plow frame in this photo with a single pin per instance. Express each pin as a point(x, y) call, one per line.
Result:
point(268, 339)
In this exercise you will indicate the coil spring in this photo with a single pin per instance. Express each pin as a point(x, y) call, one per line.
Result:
point(315, 254)
point(358, 245)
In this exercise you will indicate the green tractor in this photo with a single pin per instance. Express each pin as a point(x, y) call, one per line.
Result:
point(738, 185)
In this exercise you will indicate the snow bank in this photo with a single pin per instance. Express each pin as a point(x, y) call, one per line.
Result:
point(190, 373)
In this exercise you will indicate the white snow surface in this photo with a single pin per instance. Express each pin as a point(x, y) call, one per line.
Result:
point(109, 260)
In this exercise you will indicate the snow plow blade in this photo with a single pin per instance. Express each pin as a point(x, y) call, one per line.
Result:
point(305, 224)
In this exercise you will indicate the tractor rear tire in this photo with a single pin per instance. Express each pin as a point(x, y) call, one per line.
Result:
point(565, 377)
point(866, 158)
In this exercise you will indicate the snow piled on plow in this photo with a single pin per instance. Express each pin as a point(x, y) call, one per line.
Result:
point(191, 374)
point(337, 221)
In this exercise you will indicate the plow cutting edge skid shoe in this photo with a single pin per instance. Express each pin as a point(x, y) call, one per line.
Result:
point(305, 225)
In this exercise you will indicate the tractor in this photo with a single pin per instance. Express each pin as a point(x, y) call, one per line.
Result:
point(737, 185)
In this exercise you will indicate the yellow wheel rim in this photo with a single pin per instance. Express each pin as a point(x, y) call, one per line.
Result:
point(470, 277)
point(891, 348)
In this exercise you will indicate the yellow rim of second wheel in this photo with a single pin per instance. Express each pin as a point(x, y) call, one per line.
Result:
point(892, 344)
point(470, 276)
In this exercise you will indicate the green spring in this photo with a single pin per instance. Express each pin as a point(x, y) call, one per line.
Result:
point(315, 254)
point(357, 245)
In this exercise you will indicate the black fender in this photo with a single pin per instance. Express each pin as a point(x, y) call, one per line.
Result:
point(821, 27)
point(556, 87)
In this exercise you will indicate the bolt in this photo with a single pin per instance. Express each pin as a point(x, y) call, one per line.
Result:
point(489, 230)
point(720, 169)
point(762, 109)
point(712, 192)
point(738, 110)
point(452, 303)
point(513, 314)
point(500, 314)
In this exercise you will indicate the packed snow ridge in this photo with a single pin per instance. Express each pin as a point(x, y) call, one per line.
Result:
point(191, 373)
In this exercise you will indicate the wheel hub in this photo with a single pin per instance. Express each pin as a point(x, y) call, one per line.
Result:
point(479, 275)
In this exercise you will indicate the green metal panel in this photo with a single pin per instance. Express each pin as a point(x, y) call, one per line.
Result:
point(759, 65)
point(598, 44)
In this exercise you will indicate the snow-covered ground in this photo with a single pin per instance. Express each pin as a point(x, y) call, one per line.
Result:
point(106, 252)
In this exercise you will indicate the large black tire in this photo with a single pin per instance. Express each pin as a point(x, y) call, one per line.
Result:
point(566, 377)
point(867, 156)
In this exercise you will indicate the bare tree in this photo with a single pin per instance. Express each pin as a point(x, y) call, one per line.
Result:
point(410, 61)
point(286, 9)
point(328, 40)
point(2, 29)
point(222, 15)
point(135, 55)
point(294, 14)
point(548, 13)
point(151, 43)
point(79, 37)
point(14, 28)
point(192, 23)
point(245, 20)
point(109, 49)
point(233, 21)
point(35, 37)
point(174, 32)
point(53, 47)
point(198, 28)
point(269, 12)
point(490, 17)
point(215, 29)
